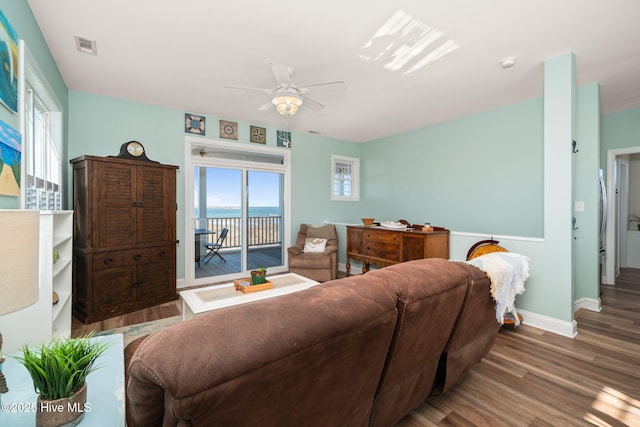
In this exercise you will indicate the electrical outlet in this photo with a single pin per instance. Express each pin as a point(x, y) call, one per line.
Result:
point(578, 206)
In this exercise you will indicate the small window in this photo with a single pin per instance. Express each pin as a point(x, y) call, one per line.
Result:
point(345, 178)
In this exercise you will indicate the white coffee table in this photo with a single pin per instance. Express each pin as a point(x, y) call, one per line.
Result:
point(201, 300)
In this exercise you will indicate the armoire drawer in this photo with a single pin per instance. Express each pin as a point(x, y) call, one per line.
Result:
point(116, 259)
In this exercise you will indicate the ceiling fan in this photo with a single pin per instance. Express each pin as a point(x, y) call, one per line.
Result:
point(287, 97)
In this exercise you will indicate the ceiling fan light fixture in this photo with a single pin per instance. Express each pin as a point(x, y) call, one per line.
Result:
point(287, 105)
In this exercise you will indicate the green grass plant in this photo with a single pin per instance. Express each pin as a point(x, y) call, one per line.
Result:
point(60, 369)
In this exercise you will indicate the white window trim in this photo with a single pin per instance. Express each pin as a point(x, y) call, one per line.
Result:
point(355, 180)
point(29, 71)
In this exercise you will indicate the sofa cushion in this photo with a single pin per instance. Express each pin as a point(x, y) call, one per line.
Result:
point(310, 260)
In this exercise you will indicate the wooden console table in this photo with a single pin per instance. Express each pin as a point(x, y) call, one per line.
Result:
point(382, 246)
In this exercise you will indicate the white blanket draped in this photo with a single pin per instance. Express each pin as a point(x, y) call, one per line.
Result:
point(507, 272)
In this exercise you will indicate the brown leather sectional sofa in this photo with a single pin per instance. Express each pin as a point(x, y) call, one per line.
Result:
point(359, 351)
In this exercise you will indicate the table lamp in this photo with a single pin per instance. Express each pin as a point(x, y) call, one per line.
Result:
point(19, 278)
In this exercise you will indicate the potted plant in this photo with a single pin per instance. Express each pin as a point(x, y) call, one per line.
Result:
point(636, 219)
point(258, 276)
point(59, 372)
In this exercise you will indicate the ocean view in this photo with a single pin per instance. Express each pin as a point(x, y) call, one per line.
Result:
point(235, 212)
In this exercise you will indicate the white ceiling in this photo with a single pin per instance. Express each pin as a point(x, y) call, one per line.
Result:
point(181, 53)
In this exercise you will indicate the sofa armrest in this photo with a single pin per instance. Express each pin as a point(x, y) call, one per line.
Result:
point(129, 351)
point(330, 250)
point(295, 250)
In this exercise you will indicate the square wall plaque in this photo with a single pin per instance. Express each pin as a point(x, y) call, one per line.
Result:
point(228, 130)
point(284, 138)
point(258, 134)
point(194, 124)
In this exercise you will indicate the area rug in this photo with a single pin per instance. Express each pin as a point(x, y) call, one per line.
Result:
point(131, 332)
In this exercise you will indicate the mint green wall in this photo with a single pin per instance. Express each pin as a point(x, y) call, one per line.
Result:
point(311, 185)
point(481, 173)
point(559, 116)
point(619, 130)
point(311, 180)
point(19, 15)
point(100, 125)
point(586, 163)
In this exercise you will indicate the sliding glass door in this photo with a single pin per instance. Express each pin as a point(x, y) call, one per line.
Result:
point(238, 215)
point(264, 219)
point(218, 217)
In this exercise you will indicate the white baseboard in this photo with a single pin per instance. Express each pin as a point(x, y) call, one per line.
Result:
point(560, 327)
point(588, 303)
point(180, 283)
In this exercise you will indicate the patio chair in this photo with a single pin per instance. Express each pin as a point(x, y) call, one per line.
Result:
point(215, 247)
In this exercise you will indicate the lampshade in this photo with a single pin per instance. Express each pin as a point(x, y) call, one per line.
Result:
point(287, 105)
point(19, 247)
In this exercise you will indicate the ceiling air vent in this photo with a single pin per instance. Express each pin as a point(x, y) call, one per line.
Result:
point(86, 46)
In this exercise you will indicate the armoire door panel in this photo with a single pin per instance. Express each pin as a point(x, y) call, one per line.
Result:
point(114, 288)
point(155, 281)
point(154, 199)
point(117, 213)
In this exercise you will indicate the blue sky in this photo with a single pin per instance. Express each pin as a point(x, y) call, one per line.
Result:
point(224, 187)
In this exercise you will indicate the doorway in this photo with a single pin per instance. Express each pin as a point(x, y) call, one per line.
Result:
point(617, 212)
point(238, 211)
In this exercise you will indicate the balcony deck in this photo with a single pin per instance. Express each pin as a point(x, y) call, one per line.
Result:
point(263, 238)
point(265, 256)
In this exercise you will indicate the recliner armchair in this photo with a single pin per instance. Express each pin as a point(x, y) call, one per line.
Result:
point(319, 266)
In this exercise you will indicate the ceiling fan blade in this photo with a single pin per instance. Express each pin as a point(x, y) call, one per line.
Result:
point(282, 74)
point(312, 104)
point(259, 89)
point(266, 106)
point(336, 86)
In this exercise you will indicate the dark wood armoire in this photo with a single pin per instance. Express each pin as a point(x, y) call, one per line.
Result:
point(124, 236)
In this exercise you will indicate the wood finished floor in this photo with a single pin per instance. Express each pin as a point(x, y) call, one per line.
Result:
point(530, 377)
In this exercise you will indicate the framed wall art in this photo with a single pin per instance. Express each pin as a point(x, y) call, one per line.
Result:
point(194, 124)
point(258, 134)
point(284, 139)
point(9, 55)
point(228, 130)
point(10, 155)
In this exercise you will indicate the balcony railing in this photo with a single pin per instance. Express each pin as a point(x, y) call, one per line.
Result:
point(262, 230)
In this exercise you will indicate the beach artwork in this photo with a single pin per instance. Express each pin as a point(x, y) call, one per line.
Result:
point(284, 138)
point(10, 154)
point(9, 60)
